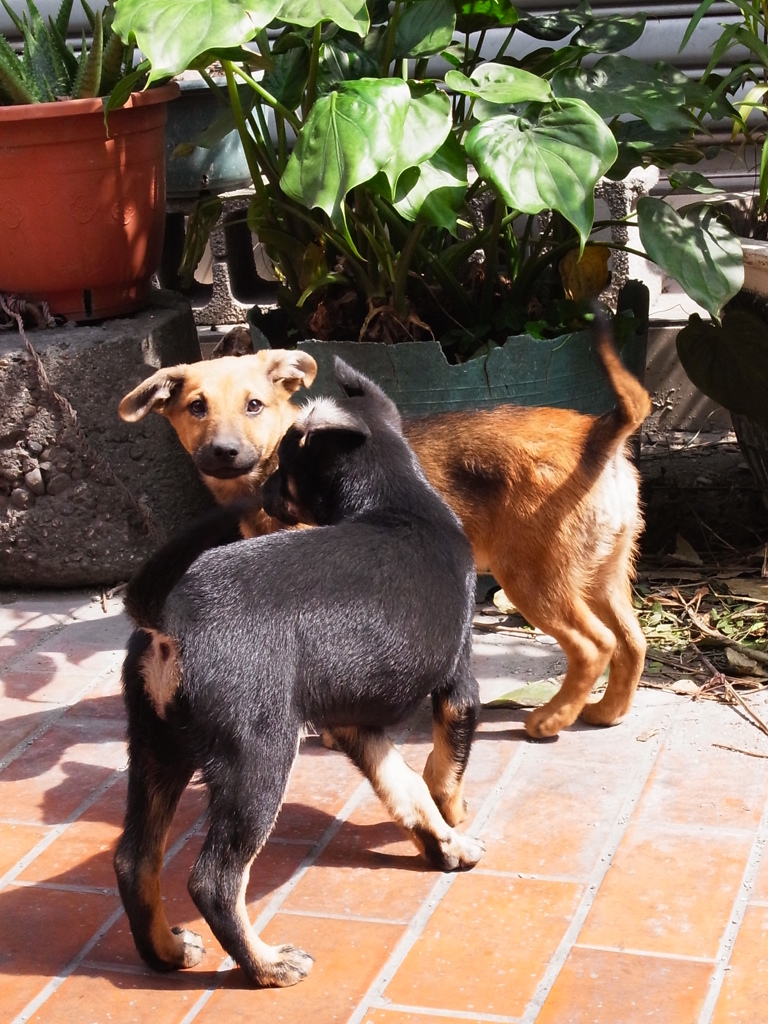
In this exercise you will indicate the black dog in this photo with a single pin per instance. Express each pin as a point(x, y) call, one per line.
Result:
point(348, 627)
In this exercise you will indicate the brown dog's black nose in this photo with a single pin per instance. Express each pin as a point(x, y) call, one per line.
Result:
point(225, 452)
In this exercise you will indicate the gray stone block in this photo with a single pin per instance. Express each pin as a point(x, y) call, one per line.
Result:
point(85, 498)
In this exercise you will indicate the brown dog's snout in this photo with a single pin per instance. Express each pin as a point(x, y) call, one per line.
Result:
point(226, 456)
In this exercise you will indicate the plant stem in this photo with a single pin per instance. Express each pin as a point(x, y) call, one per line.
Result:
point(310, 92)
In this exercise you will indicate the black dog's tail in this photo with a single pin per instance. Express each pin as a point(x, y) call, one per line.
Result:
point(149, 588)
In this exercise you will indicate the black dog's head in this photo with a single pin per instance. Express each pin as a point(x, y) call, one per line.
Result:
point(341, 456)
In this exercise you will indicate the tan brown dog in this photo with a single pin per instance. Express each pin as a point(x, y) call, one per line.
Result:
point(550, 503)
point(230, 414)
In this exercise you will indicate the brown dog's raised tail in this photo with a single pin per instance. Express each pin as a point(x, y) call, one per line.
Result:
point(633, 403)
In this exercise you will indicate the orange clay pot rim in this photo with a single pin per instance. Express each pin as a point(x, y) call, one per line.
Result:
point(94, 105)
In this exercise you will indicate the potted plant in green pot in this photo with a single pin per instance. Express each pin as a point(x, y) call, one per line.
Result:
point(83, 206)
point(415, 179)
point(726, 356)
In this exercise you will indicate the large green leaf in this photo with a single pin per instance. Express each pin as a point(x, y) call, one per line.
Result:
point(610, 34)
point(343, 61)
point(477, 15)
point(427, 125)
point(439, 191)
point(498, 83)
point(173, 33)
point(698, 250)
point(349, 15)
point(553, 162)
point(620, 85)
point(349, 136)
point(555, 26)
point(729, 362)
point(424, 27)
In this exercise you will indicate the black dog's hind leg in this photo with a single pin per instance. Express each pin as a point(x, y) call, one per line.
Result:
point(154, 790)
point(245, 799)
point(407, 798)
point(454, 715)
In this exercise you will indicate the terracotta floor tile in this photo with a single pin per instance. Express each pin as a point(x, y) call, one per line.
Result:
point(41, 930)
point(16, 841)
point(553, 819)
point(620, 748)
point(379, 1016)
point(82, 856)
point(64, 666)
point(597, 987)
point(687, 789)
point(321, 783)
point(742, 997)
point(104, 700)
point(19, 720)
point(668, 891)
point(477, 961)
point(53, 776)
point(369, 869)
point(760, 888)
point(348, 957)
point(89, 995)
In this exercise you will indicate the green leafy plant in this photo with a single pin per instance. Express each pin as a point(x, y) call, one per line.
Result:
point(414, 175)
point(48, 69)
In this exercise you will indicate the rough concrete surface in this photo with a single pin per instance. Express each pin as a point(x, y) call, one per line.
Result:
point(84, 501)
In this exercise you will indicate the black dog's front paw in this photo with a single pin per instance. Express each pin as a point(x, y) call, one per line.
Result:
point(191, 950)
point(455, 853)
point(289, 966)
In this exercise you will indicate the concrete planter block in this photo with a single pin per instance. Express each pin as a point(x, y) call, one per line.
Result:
point(84, 500)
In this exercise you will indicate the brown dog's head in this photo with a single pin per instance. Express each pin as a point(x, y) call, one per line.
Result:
point(229, 413)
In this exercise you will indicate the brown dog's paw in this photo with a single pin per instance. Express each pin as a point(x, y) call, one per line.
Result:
point(290, 966)
point(600, 713)
point(190, 947)
point(547, 721)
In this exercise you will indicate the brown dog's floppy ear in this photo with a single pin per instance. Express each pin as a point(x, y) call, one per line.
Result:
point(153, 393)
point(292, 369)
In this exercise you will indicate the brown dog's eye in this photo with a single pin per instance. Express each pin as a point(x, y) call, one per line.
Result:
point(198, 408)
point(254, 406)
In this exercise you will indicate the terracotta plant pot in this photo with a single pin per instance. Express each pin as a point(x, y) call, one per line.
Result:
point(82, 213)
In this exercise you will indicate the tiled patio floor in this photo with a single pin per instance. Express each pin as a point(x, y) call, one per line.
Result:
point(625, 878)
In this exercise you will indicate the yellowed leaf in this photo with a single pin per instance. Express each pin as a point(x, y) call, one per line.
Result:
point(585, 278)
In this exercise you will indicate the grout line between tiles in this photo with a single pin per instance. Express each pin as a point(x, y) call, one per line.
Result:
point(58, 830)
point(429, 1011)
point(738, 911)
point(622, 950)
point(85, 890)
point(635, 788)
point(324, 915)
point(419, 921)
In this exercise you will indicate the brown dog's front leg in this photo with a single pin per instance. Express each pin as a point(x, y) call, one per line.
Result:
point(407, 798)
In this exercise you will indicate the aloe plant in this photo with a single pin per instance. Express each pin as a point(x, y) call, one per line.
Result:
point(48, 68)
point(411, 174)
